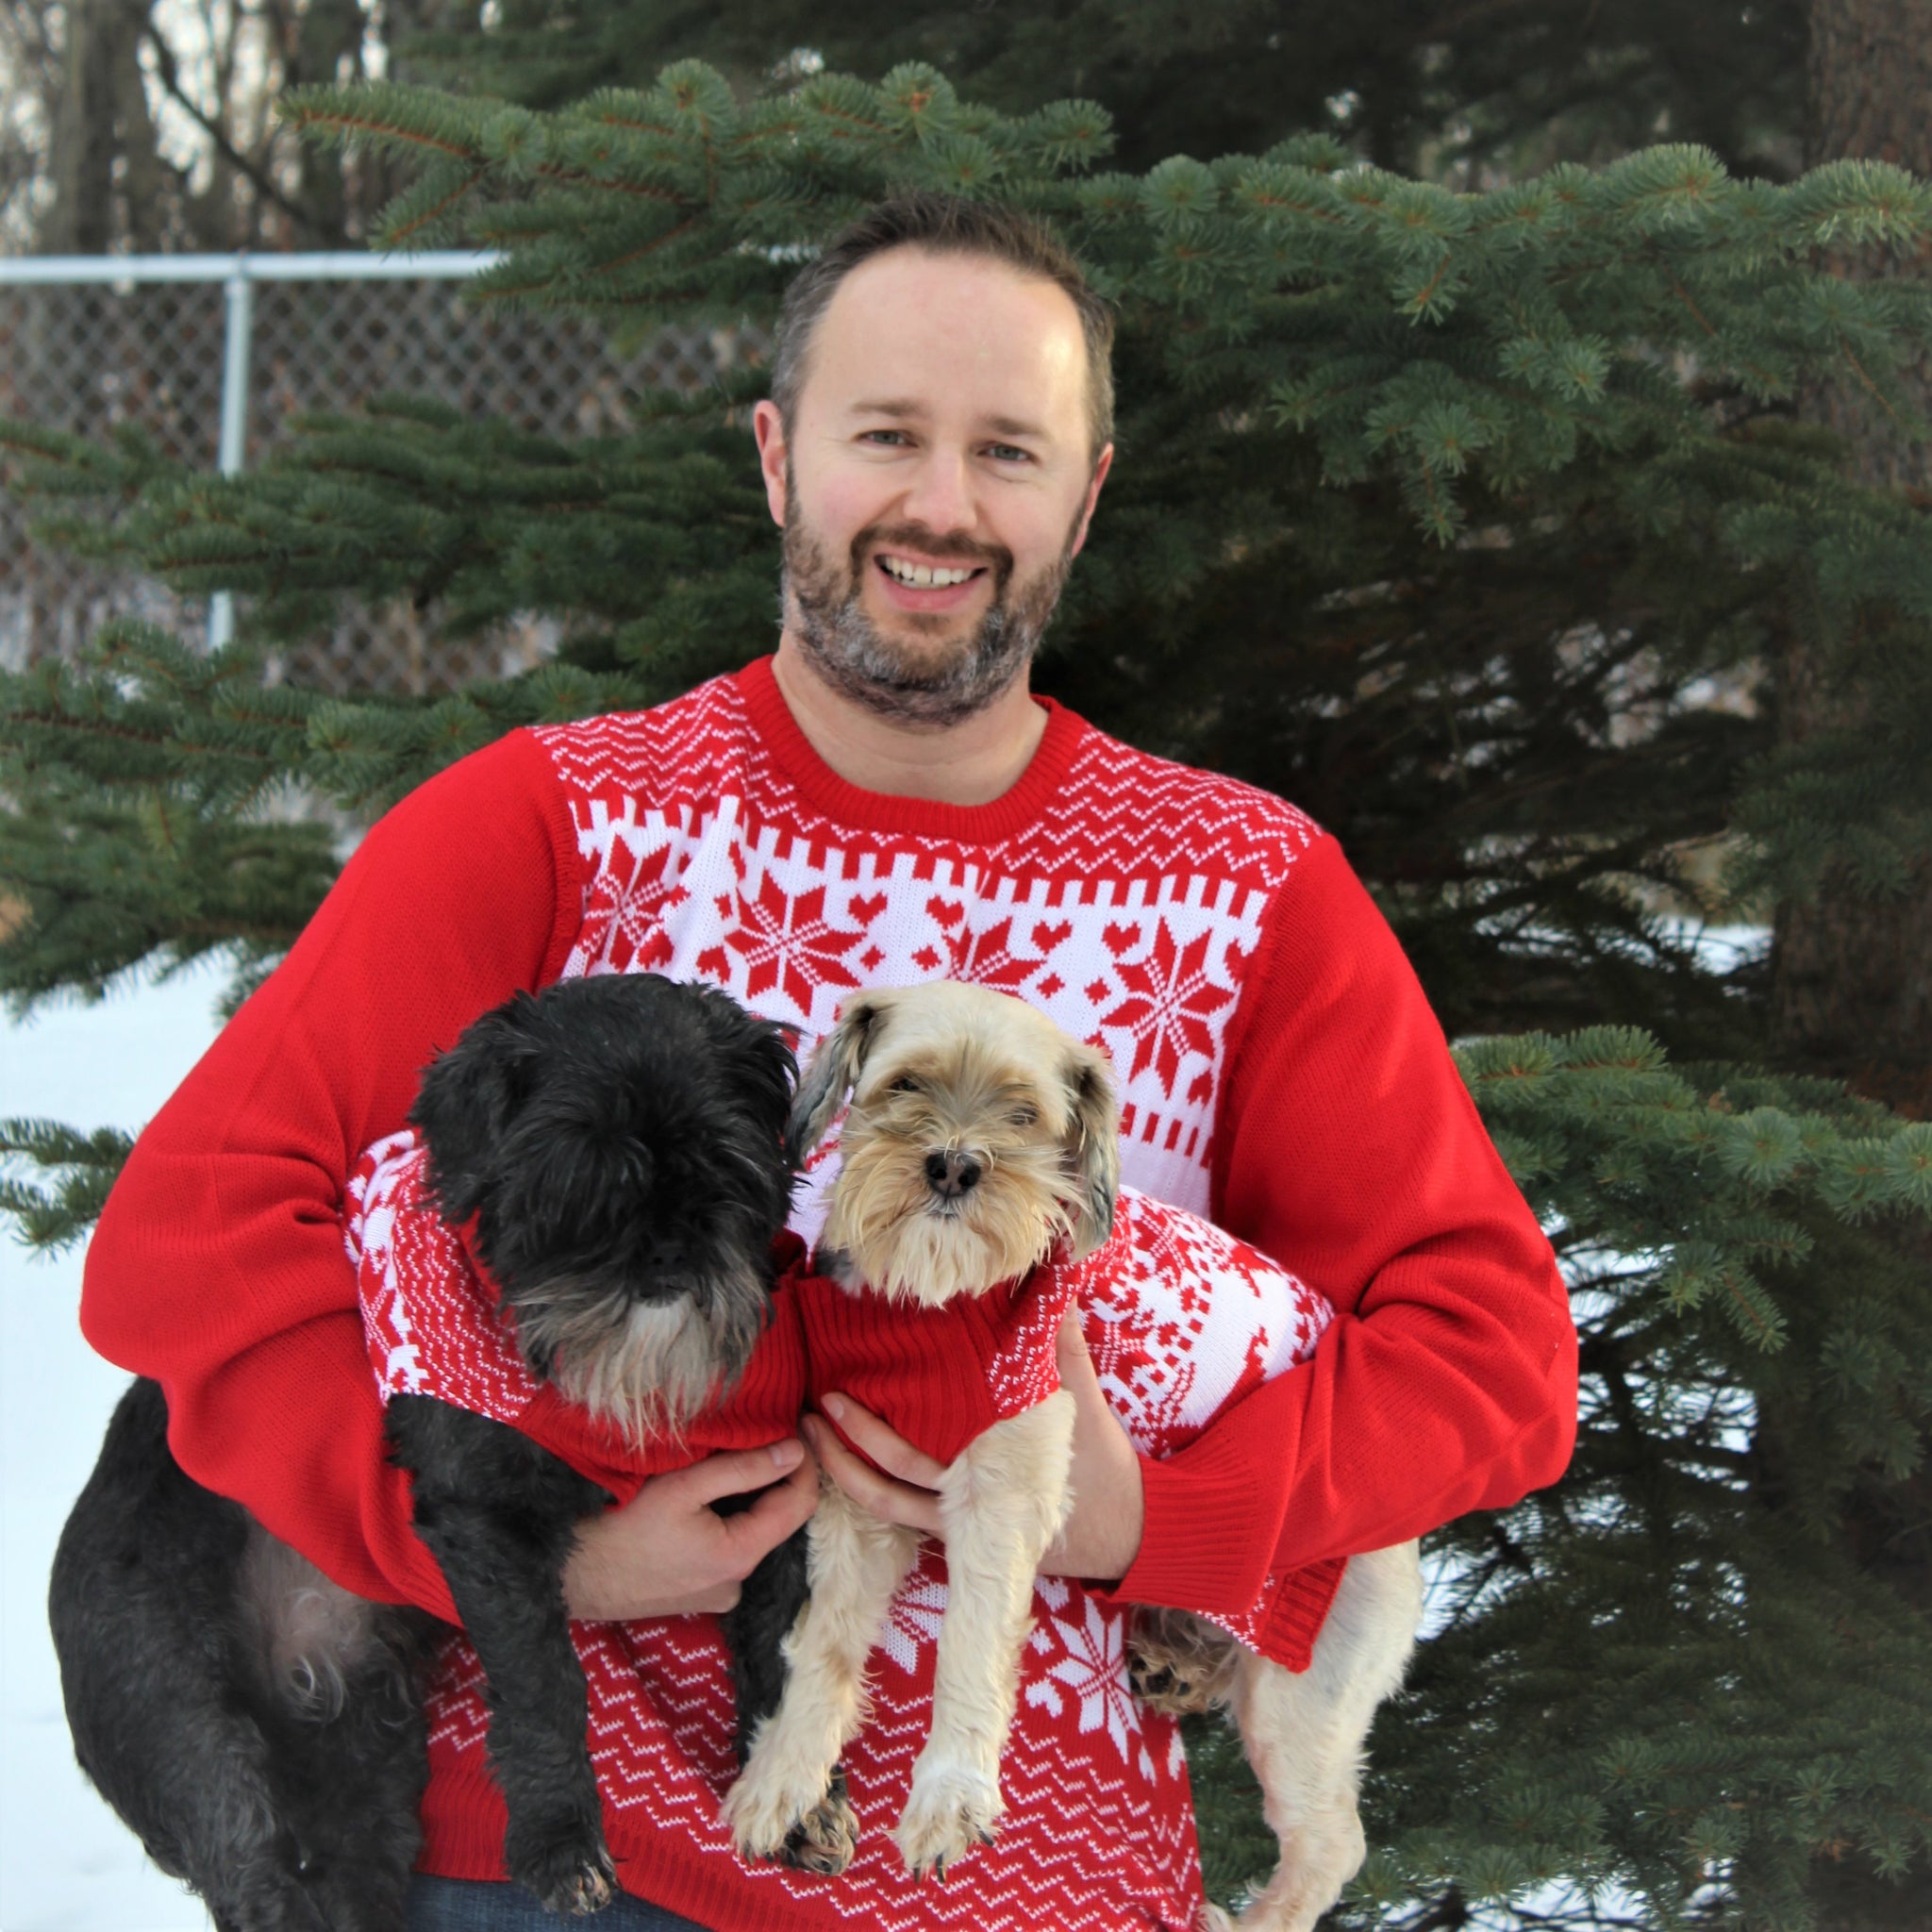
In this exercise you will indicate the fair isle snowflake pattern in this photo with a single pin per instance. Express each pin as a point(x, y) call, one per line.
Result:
point(423, 1286)
point(382, 1183)
point(1182, 1318)
point(661, 1720)
point(918, 1611)
point(1085, 1672)
point(1128, 910)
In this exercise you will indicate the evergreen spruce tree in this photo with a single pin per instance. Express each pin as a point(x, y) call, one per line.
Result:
point(1412, 87)
point(1441, 515)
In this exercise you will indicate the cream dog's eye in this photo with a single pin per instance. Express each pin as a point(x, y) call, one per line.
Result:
point(903, 1084)
point(1024, 1117)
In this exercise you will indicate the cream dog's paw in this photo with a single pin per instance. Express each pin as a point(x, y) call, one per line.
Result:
point(825, 1838)
point(950, 1809)
point(768, 1804)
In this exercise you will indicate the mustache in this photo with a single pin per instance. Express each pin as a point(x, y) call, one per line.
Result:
point(947, 549)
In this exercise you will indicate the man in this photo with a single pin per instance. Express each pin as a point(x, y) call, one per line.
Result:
point(883, 801)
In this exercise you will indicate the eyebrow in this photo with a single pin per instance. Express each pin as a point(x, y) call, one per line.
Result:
point(906, 407)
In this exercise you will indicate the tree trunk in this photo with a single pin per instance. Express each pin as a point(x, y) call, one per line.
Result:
point(1851, 977)
point(101, 118)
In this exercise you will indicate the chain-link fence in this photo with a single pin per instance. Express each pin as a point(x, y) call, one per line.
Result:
point(320, 333)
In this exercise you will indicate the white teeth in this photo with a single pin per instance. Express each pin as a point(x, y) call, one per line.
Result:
point(921, 575)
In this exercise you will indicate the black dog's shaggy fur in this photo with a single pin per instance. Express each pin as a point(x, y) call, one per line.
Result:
point(618, 1139)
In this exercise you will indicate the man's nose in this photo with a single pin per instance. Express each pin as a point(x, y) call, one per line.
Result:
point(940, 492)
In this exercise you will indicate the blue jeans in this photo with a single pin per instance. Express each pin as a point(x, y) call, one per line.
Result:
point(463, 1904)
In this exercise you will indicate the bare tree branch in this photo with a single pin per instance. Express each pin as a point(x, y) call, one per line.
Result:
point(170, 78)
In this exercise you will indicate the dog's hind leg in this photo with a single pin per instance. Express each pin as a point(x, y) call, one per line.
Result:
point(1003, 1500)
point(789, 1802)
point(352, 1774)
point(161, 1698)
point(1304, 1731)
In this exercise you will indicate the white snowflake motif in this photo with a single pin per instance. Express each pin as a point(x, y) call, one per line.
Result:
point(917, 1612)
point(1094, 1669)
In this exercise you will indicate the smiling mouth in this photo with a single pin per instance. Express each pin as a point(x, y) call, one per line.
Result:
point(915, 575)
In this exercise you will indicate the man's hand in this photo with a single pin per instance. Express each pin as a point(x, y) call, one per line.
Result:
point(667, 1551)
point(1102, 1535)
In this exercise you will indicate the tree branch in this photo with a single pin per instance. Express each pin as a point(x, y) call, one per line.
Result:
point(171, 79)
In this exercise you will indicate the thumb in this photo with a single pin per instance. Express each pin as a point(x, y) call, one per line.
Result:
point(739, 1472)
point(1070, 1349)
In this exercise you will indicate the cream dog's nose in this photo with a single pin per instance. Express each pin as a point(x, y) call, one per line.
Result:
point(951, 1175)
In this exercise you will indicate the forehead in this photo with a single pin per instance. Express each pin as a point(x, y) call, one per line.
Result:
point(955, 333)
point(936, 1020)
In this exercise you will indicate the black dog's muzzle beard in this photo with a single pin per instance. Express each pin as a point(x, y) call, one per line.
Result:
point(645, 1365)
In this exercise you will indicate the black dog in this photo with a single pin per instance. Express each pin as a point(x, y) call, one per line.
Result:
point(619, 1141)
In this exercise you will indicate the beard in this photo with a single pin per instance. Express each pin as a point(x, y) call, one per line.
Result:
point(925, 677)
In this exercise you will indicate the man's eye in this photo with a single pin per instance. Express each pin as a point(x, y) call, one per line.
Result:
point(1005, 452)
point(898, 437)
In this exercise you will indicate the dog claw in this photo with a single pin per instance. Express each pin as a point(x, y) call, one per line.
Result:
point(818, 1835)
point(825, 1838)
point(947, 1813)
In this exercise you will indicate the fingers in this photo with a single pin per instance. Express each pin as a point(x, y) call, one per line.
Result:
point(906, 1504)
point(750, 1535)
point(737, 1471)
point(883, 1445)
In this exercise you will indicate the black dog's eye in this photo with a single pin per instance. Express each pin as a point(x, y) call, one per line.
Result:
point(903, 1084)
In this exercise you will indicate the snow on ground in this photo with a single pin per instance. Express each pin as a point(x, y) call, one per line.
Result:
point(67, 1864)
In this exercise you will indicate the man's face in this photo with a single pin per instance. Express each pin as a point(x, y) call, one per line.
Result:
point(941, 430)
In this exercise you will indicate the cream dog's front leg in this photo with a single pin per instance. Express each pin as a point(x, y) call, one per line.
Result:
point(786, 1804)
point(1002, 1502)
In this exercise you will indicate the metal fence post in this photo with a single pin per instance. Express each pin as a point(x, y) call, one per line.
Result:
point(234, 444)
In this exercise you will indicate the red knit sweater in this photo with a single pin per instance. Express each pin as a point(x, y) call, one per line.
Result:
point(1280, 1067)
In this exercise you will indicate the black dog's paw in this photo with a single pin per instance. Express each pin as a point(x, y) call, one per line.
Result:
point(825, 1838)
point(568, 1870)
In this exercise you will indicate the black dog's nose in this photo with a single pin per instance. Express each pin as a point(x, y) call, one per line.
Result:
point(951, 1175)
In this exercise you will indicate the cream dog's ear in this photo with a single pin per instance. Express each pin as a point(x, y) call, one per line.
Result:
point(1093, 1145)
point(833, 1071)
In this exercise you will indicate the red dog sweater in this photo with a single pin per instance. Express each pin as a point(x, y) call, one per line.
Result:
point(1180, 1319)
point(435, 1328)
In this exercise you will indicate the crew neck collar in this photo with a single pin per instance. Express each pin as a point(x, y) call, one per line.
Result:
point(883, 811)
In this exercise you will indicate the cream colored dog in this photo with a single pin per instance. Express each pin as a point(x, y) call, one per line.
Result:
point(980, 1140)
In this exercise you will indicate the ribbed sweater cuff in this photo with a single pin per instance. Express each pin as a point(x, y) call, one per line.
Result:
point(1200, 1546)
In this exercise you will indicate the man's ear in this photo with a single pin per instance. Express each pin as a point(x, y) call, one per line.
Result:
point(1092, 1146)
point(768, 427)
point(833, 1073)
point(1102, 465)
point(469, 1096)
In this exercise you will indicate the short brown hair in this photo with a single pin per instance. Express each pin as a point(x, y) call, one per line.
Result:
point(945, 225)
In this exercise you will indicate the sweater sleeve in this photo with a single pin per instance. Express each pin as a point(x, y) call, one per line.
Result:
point(218, 1266)
point(1348, 1146)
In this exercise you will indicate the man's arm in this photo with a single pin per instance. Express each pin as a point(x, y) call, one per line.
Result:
point(218, 1266)
point(1348, 1147)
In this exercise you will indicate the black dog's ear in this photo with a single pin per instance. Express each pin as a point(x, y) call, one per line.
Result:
point(770, 1070)
point(1093, 1148)
point(467, 1098)
point(833, 1072)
